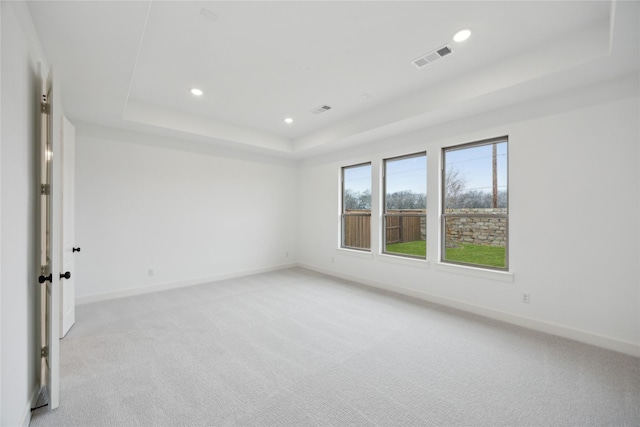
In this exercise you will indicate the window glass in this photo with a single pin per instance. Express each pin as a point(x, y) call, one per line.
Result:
point(475, 197)
point(405, 203)
point(356, 207)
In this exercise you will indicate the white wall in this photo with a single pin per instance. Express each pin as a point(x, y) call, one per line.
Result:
point(191, 217)
point(19, 337)
point(574, 217)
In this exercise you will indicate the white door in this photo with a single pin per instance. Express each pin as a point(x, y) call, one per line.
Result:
point(67, 284)
point(50, 216)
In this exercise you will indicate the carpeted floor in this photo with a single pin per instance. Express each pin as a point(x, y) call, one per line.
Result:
point(296, 348)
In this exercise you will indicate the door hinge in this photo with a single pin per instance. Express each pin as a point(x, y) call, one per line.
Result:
point(44, 269)
point(44, 105)
point(44, 352)
point(45, 189)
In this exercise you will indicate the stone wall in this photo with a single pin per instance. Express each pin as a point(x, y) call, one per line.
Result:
point(476, 230)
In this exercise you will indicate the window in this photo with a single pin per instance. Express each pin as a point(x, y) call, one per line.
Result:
point(356, 207)
point(475, 204)
point(405, 205)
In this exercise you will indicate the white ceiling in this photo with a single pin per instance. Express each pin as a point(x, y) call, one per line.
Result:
point(131, 64)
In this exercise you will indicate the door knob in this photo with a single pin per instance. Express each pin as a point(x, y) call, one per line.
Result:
point(76, 250)
point(43, 279)
point(66, 275)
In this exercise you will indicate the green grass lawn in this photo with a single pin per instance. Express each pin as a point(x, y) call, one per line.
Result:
point(415, 248)
point(492, 256)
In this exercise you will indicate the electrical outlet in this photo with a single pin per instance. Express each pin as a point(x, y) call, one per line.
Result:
point(286, 254)
point(150, 272)
point(333, 260)
point(526, 298)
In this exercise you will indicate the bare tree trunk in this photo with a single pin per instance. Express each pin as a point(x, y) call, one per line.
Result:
point(494, 199)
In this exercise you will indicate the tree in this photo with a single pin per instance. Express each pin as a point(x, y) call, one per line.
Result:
point(454, 185)
point(406, 200)
point(481, 199)
point(357, 200)
point(456, 196)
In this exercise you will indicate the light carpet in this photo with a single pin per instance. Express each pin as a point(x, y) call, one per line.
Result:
point(296, 348)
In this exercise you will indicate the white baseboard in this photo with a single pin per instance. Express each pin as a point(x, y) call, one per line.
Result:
point(178, 284)
point(26, 415)
point(586, 337)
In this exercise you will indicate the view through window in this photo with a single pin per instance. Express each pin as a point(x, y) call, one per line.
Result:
point(475, 211)
point(356, 207)
point(405, 205)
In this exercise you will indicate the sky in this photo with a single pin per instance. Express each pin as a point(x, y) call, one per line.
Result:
point(358, 178)
point(474, 164)
point(407, 174)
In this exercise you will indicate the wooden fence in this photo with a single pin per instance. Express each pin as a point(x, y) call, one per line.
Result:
point(400, 228)
point(357, 229)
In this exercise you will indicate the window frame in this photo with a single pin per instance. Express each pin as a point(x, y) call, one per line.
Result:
point(344, 215)
point(444, 215)
point(386, 215)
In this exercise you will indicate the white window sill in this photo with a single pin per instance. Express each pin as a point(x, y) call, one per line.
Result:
point(396, 259)
point(355, 253)
point(503, 276)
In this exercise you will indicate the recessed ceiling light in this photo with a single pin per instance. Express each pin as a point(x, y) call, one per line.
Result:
point(462, 35)
point(196, 92)
point(288, 120)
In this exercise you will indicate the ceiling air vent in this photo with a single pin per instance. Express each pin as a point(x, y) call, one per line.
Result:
point(434, 55)
point(321, 109)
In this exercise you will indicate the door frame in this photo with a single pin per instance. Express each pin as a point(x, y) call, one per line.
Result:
point(50, 223)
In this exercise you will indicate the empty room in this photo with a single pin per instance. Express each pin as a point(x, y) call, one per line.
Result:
point(320, 213)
